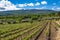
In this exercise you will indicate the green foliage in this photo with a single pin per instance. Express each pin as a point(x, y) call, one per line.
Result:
point(58, 13)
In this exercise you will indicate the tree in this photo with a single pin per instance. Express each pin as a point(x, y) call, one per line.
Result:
point(58, 13)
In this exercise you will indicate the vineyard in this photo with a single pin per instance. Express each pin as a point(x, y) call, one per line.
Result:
point(30, 27)
point(38, 30)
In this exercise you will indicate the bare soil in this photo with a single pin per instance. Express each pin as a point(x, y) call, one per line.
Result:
point(42, 36)
point(53, 32)
point(58, 34)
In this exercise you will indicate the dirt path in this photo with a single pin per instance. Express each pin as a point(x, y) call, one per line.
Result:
point(58, 34)
point(53, 32)
point(42, 36)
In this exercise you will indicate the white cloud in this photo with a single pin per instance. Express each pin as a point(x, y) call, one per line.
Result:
point(37, 4)
point(25, 5)
point(54, 3)
point(43, 2)
point(53, 8)
point(8, 5)
point(30, 4)
point(22, 5)
point(58, 8)
point(12, 7)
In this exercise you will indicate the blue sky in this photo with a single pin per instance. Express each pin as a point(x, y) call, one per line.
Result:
point(29, 4)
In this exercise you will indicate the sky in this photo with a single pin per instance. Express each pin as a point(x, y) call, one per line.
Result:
point(29, 4)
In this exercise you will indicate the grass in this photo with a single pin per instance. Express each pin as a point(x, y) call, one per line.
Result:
point(22, 26)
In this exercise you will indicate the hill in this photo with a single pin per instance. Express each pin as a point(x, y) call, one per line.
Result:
point(28, 11)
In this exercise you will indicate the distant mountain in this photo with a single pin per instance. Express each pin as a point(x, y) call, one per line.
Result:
point(28, 11)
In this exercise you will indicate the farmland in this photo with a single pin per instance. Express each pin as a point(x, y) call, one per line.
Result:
point(30, 27)
point(42, 30)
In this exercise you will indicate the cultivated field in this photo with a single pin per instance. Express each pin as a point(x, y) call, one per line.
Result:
point(30, 27)
point(38, 30)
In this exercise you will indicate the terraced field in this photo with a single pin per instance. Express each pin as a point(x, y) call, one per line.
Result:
point(43, 30)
